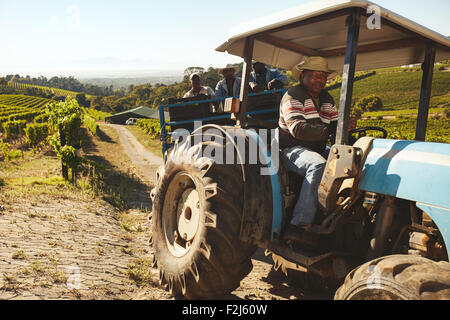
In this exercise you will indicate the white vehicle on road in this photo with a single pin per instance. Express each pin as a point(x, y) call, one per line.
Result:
point(131, 121)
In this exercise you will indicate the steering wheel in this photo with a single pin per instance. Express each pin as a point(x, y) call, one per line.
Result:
point(362, 132)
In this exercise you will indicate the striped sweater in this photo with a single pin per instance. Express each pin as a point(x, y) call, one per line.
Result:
point(304, 123)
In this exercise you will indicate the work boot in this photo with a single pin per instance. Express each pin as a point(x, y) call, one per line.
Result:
point(294, 232)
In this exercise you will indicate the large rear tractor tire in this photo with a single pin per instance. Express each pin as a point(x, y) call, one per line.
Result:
point(397, 277)
point(196, 221)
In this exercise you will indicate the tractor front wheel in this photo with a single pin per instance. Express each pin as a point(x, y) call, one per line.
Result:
point(196, 222)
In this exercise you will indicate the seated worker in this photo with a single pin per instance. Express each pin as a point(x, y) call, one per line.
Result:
point(308, 115)
point(263, 78)
point(197, 88)
point(230, 85)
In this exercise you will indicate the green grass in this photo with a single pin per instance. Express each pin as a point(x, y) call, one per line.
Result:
point(401, 112)
point(29, 181)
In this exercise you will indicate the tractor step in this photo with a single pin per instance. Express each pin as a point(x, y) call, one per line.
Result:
point(302, 257)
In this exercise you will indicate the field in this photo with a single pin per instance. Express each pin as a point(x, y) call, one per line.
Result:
point(55, 91)
point(95, 114)
point(399, 89)
point(19, 108)
point(22, 101)
point(438, 130)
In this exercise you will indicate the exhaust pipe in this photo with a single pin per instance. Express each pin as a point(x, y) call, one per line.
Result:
point(384, 220)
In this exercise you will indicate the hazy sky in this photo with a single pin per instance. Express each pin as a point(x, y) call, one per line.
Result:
point(62, 36)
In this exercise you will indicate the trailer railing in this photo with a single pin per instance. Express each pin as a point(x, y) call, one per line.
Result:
point(216, 116)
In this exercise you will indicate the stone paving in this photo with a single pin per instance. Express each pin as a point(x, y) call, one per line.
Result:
point(68, 249)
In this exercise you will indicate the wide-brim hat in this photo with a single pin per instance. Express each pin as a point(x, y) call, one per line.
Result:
point(229, 66)
point(194, 75)
point(314, 64)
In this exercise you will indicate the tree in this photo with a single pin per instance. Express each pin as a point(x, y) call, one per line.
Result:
point(65, 117)
point(81, 99)
point(191, 70)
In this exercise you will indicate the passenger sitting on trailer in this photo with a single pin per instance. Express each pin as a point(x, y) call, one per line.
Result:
point(308, 115)
point(263, 78)
point(229, 86)
point(197, 88)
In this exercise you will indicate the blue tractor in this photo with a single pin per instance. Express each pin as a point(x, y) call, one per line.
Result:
point(383, 231)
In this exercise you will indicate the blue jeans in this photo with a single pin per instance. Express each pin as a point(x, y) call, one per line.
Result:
point(310, 165)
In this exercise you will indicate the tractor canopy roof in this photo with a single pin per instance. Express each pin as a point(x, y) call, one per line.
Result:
point(320, 28)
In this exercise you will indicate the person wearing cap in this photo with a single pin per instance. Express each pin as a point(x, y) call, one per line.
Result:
point(230, 85)
point(308, 116)
point(263, 78)
point(197, 88)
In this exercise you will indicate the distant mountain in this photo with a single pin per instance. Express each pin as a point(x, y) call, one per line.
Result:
point(125, 82)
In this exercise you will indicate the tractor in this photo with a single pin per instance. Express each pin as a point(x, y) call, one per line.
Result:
point(383, 230)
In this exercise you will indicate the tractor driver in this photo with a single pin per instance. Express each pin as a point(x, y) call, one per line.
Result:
point(308, 115)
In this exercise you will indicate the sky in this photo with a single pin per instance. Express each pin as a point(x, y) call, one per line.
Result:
point(100, 37)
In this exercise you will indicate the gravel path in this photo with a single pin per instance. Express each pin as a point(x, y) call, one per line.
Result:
point(146, 162)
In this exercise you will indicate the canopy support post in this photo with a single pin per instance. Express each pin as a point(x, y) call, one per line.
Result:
point(345, 102)
point(241, 116)
point(425, 92)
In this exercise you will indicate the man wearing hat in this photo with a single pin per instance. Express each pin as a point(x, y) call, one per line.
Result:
point(230, 85)
point(263, 78)
point(308, 115)
point(197, 88)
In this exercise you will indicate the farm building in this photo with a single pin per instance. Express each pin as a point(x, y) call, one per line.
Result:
point(139, 113)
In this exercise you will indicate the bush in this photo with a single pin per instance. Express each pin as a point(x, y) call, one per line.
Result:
point(41, 118)
point(356, 112)
point(90, 123)
point(68, 156)
point(150, 126)
point(7, 153)
point(447, 113)
point(28, 116)
point(379, 117)
point(369, 103)
point(36, 134)
point(67, 115)
point(14, 128)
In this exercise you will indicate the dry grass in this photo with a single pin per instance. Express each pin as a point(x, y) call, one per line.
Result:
point(140, 272)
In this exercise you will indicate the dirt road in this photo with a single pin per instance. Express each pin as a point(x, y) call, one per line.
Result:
point(145, 162)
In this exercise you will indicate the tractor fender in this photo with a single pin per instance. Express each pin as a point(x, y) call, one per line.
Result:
point(412, 170)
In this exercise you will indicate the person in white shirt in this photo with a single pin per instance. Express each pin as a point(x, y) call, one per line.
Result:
point(197, 87)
